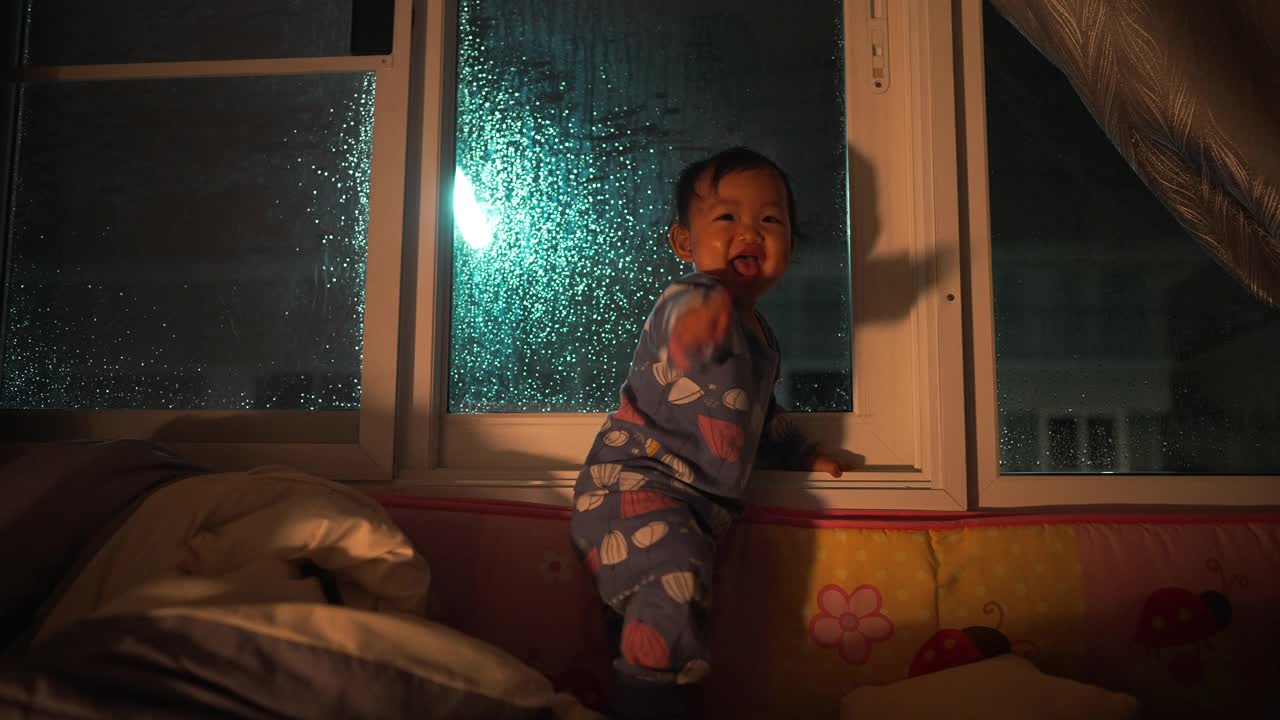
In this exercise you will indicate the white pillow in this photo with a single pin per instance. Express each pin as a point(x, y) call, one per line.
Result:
point(1007, 687)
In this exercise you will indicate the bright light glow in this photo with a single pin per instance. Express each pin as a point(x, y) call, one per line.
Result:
point(468, 215)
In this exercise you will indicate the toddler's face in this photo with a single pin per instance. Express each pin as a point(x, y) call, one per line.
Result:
point(738, 231)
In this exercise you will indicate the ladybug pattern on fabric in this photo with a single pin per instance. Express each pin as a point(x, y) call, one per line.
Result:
point(1179, 620)
point(951, 647)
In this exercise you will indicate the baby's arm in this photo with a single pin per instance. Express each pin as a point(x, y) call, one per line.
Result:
point(698, 326)
point(696, 322)
point(783, 447)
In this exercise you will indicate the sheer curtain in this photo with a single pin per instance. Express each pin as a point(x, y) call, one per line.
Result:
point(1188, 92)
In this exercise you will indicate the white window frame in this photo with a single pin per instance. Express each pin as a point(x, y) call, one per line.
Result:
point(909, 417)
point(353, 445)
point(995, 490)
point(919, 201)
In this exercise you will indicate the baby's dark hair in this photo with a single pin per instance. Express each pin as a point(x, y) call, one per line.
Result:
point(735, 159)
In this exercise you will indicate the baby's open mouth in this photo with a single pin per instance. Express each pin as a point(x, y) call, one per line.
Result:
point(747, 266)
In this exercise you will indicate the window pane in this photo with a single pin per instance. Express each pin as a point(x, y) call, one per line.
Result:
point(1102, 443)
point(573, 117)
point(1063, 444)
point(1110, 319)
point(88, 32)
point(1020, 441)
point(193, 244)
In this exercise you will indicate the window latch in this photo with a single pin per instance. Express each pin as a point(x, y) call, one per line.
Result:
point(878, 39)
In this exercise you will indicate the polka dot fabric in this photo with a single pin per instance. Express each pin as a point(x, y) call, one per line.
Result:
point(1179, 611)
point(1022, 581)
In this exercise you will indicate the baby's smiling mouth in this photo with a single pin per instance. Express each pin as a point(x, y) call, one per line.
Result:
point(746, 265)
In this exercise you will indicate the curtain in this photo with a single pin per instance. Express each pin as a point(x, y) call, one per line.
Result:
point(1189, 92)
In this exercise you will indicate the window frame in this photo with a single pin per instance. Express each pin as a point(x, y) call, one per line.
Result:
point(908, 417)
point(919, 178)
point(993, 489)
point(351, 444)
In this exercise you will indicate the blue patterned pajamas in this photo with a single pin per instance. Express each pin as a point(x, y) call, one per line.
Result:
point(666, 475)
point(652, 551)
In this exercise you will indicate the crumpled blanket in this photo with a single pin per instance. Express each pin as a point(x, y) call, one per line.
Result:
point(267, 535)
point(58, 504)
point(267, 593)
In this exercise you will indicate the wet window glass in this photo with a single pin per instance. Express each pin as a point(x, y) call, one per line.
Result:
point(573, 118)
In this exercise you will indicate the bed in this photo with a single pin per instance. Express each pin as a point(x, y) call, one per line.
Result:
point(140, 586)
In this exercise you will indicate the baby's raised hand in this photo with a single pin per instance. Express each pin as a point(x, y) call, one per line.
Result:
point(700, 328)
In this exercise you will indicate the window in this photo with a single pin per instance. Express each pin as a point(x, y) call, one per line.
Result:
point(571, 120)
point(503, 148)
point(550, 132)
point(473, 382)
point(81, 32)
point(203, 226)
point(1150, 371)
point(141, 241)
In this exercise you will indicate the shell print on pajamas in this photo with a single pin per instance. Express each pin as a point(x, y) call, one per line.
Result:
point(665, 478)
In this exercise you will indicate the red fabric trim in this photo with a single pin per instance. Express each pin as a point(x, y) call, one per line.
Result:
point(950, 520)
point(866, 519)
point(510, 508)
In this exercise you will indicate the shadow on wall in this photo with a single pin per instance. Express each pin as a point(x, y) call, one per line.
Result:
point(904, 275)
point(782, 564)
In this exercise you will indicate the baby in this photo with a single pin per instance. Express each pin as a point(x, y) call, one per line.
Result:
point(666, 474)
